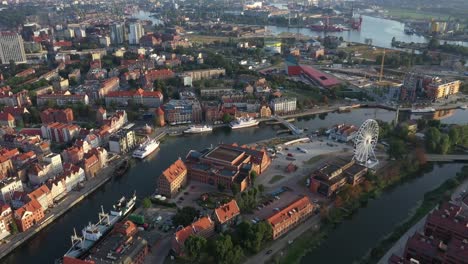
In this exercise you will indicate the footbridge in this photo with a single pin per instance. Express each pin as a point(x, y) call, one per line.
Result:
point(447, 158)
point(295, 130)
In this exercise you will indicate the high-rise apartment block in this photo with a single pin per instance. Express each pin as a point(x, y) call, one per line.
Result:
point(11, 48)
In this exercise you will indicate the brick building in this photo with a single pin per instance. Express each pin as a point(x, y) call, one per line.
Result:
point(332, 176)
point(226, 164)
point(172, 179)
point(28, 215)
point(291, 216)
point(226, 215)
point(57, 115)
point(202, 227)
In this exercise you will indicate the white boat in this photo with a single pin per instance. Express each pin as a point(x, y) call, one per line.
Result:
point(195, 129)
point(423, 110)
point(146, 148)
point(92, 233)
point(243, 122)
point(464, 107)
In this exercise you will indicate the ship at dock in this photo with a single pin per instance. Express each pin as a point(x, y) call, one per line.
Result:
point(146, 148)
point(320, 26)
point(196, 129)
point(92, 233)
point(243, 122)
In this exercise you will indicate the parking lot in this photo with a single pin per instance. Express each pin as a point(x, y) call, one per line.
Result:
point(301, 155)
point(274, 202)
point(158, 219)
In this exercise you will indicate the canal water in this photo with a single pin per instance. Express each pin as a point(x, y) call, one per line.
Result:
point(380, 30)
point(354, 237)
point(53, 241)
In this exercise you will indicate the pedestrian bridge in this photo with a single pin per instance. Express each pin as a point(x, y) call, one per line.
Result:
point(447, 158)
point(295, 130)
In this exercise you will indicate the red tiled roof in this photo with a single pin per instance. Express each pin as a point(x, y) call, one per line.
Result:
point(174, 171)
point(227, 211)
point(31, 206)
point(39, 192)
point(159, 111)
point(283, 214)
point(139, 92)
point(6, 117)
point(15, 110)
point(201, 224)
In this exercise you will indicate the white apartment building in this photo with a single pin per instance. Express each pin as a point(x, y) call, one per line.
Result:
point(135, 33)
point(283, 105)
point(11, 48)
point(8, 186)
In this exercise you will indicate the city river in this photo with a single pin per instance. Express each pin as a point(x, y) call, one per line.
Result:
point(54, 240)
point(356, 236)
point(380, 30)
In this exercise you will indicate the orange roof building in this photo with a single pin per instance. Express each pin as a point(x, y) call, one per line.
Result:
point(202, 227)
point(28, 215)
point(226, 214)
point(289, 217)
point(172, 179)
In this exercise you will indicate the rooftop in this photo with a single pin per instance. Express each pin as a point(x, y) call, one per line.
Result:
point(225, 154)
point(286, 213)
point(174, 171)
point(227, 211)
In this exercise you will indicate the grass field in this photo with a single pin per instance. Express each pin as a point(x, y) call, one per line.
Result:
point(208, 39)
point(414, 14)
point(367, 52)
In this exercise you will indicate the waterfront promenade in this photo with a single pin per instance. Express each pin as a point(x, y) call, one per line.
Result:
point(67, 203)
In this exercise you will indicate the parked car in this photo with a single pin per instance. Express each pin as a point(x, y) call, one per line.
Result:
point(269, 252)
point(290, 155)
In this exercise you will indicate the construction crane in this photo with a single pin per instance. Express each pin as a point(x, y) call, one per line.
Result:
point(382, 66)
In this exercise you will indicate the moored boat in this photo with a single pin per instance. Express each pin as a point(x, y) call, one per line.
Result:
point(146, 148)
point(243, 122)
point(195, 129)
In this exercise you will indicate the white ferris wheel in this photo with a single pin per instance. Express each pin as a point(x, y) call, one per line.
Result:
point(365, 142)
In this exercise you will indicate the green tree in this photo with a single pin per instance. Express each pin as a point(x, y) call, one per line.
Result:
point(221, 187)
point(432, 138)
point(261, 188)
point(194, 246)
point(454, 135)
point(146, 202)
point(397, 149)
point(185, 216)
point(253, 176)
point(227, 118)
point(235, 188)
point(13, 228)
point(225, 252)
point(444, 144)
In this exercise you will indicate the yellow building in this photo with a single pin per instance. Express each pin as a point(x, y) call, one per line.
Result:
point(436, 90)
point(172, 179)
point(265, 111)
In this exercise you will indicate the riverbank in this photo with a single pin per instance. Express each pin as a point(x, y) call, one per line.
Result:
point(333, 216)
point(56, 212)
point(384, 248)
